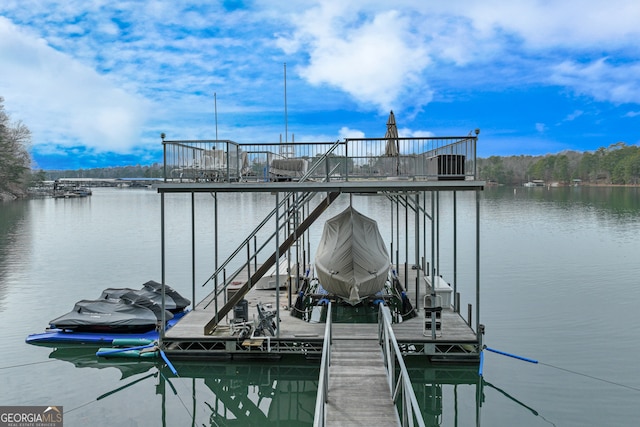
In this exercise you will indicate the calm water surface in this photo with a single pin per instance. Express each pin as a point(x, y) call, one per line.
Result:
point(560, 278)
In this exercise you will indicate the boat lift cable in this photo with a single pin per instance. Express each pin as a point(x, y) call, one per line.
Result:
point(571, 371)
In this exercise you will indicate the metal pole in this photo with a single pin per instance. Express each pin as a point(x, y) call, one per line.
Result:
point(215, 231)
point(162, 268)
point(424, 234)
point(286, 119)
point(193, 250)
point(164, 158)
point(417, 249)
point(431, 270)
point(398, 234)
point(346, 160)
point(308, 236)
point(277, 215)
point(478, 331)
point(437, 264)
point(215, 106)
point(296, 223)
point(406, 244)
point(391, 204)
point(455, 245)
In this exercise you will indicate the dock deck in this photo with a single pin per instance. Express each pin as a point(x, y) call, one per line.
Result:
point(455, 341)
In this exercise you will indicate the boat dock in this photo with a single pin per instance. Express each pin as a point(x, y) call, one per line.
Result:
point(417, 315)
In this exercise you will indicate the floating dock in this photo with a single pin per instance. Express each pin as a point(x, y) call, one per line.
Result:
point(363, 376)
point(455, 340)
point(239, 320)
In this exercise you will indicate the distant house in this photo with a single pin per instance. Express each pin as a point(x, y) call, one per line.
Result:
point(534, 183)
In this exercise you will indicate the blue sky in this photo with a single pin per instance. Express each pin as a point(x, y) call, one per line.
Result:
point(98, 81)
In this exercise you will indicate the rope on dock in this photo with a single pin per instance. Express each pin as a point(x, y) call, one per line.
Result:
point(526, 359)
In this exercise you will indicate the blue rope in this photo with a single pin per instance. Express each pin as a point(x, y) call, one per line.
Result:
point(526, 359)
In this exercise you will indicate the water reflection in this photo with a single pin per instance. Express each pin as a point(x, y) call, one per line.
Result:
point(85, 357)
point(214, 393)
point(232, 393)
point(12, 232)
point(254, 393)
point(617, 200)
point(445, 393)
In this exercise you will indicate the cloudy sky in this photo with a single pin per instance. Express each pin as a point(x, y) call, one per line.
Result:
point(97, 81)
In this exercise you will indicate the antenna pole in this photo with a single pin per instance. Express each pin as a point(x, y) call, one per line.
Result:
point(215, 107)
point(286, 120)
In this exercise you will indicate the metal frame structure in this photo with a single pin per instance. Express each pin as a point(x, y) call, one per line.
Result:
point(333, 172)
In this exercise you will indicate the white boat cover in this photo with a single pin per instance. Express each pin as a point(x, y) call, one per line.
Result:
point(352, 261)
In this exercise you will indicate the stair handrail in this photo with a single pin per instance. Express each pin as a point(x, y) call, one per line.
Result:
point(272, 213)
point(322, 396)
point(401, 388)
point(306, 197)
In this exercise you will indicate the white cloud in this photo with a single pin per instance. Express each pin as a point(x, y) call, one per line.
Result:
point(573, 24)
point(376, 59)
point(345, 132)
point(571, 117)
point(541, 127)
point(389, 56)
point(632, 114)
point(62, 100)
point(600, 79)
point(408, 133)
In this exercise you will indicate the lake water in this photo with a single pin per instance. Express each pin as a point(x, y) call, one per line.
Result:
point(560, 280)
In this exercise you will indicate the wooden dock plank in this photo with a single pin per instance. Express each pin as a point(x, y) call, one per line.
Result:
point(359, 393)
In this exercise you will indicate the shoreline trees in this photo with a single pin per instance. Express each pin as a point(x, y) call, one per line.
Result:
point(618, 164)
point(15, 160)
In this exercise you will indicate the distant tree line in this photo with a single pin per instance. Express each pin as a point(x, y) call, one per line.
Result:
point(15, 161)
point(138, 171)
point(617, 164)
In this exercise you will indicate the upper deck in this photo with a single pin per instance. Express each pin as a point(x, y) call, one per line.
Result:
point(351, 165)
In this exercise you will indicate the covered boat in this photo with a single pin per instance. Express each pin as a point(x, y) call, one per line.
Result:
point(352, 261)
point(129, 313)
point(123, 310)
point(173, 301)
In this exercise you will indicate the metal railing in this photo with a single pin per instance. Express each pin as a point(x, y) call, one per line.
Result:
point(204, 160)
point(402, 389)
point(319, 418)
point(420, 158)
